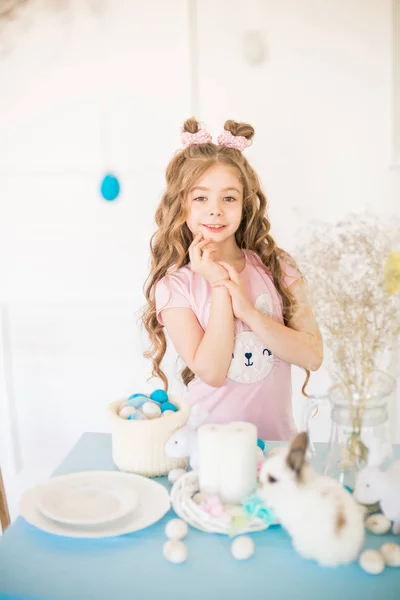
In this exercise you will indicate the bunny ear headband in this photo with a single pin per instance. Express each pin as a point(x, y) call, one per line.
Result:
point(226, 138)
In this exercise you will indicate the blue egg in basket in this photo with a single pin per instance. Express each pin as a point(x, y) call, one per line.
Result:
point(159, 396)
point(168, 406)
point(137, 400)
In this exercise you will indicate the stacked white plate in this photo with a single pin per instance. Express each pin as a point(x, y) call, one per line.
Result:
point(95, 504)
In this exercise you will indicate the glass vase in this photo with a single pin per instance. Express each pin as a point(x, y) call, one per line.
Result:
point(360, 433)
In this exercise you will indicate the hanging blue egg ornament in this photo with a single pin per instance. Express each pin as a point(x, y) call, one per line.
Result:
point(159, 396)
point(110, 187)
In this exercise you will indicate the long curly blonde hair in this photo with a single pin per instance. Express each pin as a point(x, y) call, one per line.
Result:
point(170, 243)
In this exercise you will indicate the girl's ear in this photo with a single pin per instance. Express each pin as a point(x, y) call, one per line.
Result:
point(197, 416)
point(296, 455)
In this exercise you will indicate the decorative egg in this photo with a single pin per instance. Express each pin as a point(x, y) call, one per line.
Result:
point(391, 554)
point(199, 497)
point(175, 551)
point(168, 406)
point(175, 474)
point(126, 411)
point(137, 416)
point(137, 400)
point(378, 524)
point(261, 444)
point(371, 561)
point(167, 412)
point(242, 547)
point(159, 396)
point(151, 410)
point(110, 187)
point(176, 529)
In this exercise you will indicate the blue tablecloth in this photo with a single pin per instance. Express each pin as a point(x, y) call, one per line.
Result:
point(34, 564)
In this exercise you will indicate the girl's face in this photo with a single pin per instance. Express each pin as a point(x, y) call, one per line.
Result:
point(215, 204)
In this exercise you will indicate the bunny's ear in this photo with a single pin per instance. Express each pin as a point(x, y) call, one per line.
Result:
point(197, 416)
point(297, 451)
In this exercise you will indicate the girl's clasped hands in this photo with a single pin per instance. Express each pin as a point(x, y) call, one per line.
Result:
point(219, 274)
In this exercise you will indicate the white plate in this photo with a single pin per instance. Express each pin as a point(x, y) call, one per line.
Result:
point(153, 504)
point(88, 498)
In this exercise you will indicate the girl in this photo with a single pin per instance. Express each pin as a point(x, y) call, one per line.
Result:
point(232, 302)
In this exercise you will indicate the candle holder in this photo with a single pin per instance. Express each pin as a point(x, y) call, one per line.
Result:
point(186, 508)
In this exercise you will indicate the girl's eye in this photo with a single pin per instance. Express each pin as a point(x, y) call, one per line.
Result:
point(200, 199)
point(267, 351)
point(230, 199)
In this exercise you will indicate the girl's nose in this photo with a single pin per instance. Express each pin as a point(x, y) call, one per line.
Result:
point(216, 211)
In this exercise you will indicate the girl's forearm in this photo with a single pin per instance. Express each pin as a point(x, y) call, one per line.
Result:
point(296, 347)
point(214, 354)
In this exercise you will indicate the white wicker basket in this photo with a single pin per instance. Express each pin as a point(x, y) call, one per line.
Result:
point(186, 508)
point(138, 446)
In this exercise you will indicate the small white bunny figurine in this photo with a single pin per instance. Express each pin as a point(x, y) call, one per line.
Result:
point(323, 519)
point(184, 441)
point(374, 485)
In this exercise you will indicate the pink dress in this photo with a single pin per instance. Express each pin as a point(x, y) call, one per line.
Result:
point(258, 387)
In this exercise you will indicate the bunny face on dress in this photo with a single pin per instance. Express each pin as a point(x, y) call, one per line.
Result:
point(251, 360)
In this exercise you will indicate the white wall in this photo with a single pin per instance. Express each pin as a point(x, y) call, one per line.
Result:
point(82, 92)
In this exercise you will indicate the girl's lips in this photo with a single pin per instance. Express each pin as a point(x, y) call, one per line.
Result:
point(215, 229)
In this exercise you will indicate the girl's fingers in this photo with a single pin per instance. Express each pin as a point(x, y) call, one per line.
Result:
point(196, 246)
point(207, 253)
point(195, 241)
point(233, 274)
point(201, 245)
point(229, 285)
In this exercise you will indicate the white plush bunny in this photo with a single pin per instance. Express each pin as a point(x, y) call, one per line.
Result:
point(374, 485)
point(184, 442)
point(323, 519)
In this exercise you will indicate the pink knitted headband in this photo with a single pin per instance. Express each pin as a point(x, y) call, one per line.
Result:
point(226, 138)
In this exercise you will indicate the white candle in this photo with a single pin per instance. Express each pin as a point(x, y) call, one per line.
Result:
point(209, 452)
point(238, 462)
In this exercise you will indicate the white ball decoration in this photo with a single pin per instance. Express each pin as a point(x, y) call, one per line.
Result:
point(372, 562)
point(175, 474)
point(176, 529)
point(391, 554)
point(175, 551)
point(242, 547)
point(378, 524)
point(151, 410)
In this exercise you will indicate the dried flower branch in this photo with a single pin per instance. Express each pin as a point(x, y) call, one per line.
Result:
point(353, 274)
